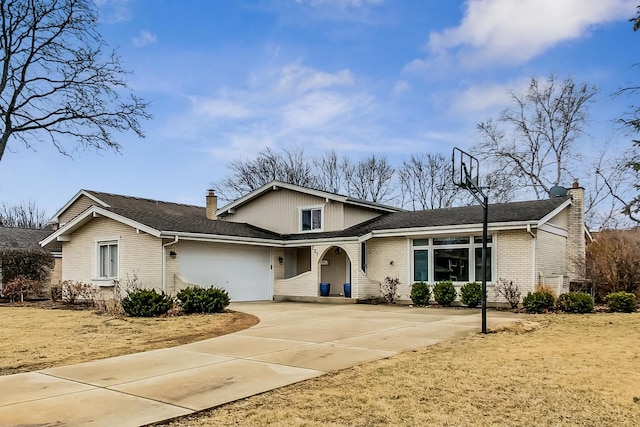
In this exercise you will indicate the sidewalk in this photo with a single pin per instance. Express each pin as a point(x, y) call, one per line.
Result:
point(292, 342)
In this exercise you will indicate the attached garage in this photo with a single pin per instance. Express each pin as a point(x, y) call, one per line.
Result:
point(244, 271)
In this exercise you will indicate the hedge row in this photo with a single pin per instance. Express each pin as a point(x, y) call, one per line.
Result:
point(193, 299)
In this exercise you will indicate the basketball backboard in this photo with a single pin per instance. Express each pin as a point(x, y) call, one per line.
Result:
point(466, 170)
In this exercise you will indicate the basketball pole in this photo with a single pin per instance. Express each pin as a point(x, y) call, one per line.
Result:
point(485, 220)
point(466, 181)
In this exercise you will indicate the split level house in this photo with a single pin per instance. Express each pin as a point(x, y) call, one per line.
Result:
point(281, 241)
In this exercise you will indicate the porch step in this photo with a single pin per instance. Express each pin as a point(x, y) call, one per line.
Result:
point(321, 300)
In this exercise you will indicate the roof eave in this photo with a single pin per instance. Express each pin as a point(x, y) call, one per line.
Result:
point(318, 193)
point(206, 237)
point(92, 212)
point(54, 219)
point(554, 212)
point(467, 228)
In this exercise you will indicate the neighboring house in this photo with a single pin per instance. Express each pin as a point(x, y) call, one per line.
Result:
point(281, 241)
point(13, 238)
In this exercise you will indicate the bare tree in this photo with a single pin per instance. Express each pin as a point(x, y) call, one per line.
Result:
point(25, 215)
point(611, 183)
point(542, 127)
point(630, 164)
point(369, 179)
point(57, 81)
point(329, 172)
point(425, 180)
point(499, 186)
point(289, 165)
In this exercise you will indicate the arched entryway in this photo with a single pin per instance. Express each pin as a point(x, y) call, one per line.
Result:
point(335, 269)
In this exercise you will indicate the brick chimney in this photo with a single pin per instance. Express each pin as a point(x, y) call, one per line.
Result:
point(576, 241)
point(212, 204)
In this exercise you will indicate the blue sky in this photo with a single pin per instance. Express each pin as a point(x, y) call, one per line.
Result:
point(228, 78)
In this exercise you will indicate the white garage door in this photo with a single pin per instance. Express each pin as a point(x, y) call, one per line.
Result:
point(244, 271)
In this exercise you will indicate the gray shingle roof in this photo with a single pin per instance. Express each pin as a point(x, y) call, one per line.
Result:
point(23, 238)
point(502, 212)
point(176, 217)
point(533, 210)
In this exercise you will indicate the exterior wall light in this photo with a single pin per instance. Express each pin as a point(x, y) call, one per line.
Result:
point(173, 254)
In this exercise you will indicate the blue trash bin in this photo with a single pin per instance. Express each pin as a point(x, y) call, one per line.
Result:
point(325, 289)
point(347, 290)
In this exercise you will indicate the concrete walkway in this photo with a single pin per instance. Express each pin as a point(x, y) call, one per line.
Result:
point(292, 342)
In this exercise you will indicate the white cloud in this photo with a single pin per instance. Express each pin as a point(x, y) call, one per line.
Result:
point(114, 11)
point(318, 109)
point(277, 107)
point(400, 87)
point(481, 98)
point(340, 3)
point(509, 32)
point(219, 108)
point(144, 38)
point(303, 79)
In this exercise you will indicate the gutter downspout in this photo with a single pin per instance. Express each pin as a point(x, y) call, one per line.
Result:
point(164, 262)
point(533, 258)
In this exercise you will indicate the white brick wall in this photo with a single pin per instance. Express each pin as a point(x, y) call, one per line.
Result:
point(515, 259)
point(308, 283)
point(138, 253)
point(576, 245)
point(380, 253)
point(302, 285)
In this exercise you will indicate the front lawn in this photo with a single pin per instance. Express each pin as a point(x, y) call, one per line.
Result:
point(36, 338)
point(576, 370)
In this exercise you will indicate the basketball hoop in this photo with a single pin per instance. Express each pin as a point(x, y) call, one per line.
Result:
point(466, 174)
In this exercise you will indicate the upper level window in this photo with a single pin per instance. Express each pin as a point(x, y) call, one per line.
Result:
point(311, 219)
point(107, 260)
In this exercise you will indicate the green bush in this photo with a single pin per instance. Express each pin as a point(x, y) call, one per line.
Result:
point(420, 294)
point(25, 264)
point(621, 302)
point(575, 302)
point(471, 294)
point(444, 293)
point(195, 299)
point(539, 302)
point(146, 303)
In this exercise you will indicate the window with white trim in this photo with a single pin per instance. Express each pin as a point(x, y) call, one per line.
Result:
point(108, 260)
point(311, 219)
point(454, 258)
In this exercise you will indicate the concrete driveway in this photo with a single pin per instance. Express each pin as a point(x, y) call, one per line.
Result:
point(292, 342)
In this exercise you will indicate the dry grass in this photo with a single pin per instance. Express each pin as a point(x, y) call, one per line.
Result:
point(35, 338)
point(574, 370)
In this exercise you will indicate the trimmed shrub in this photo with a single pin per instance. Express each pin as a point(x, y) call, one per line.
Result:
point(621, 302)
point(575, 302)
point(30, 264)
point(471, 294)
point(420, 294)
point(146, 303)
point(195, 299)
point(444, 293)
point(539, 302)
